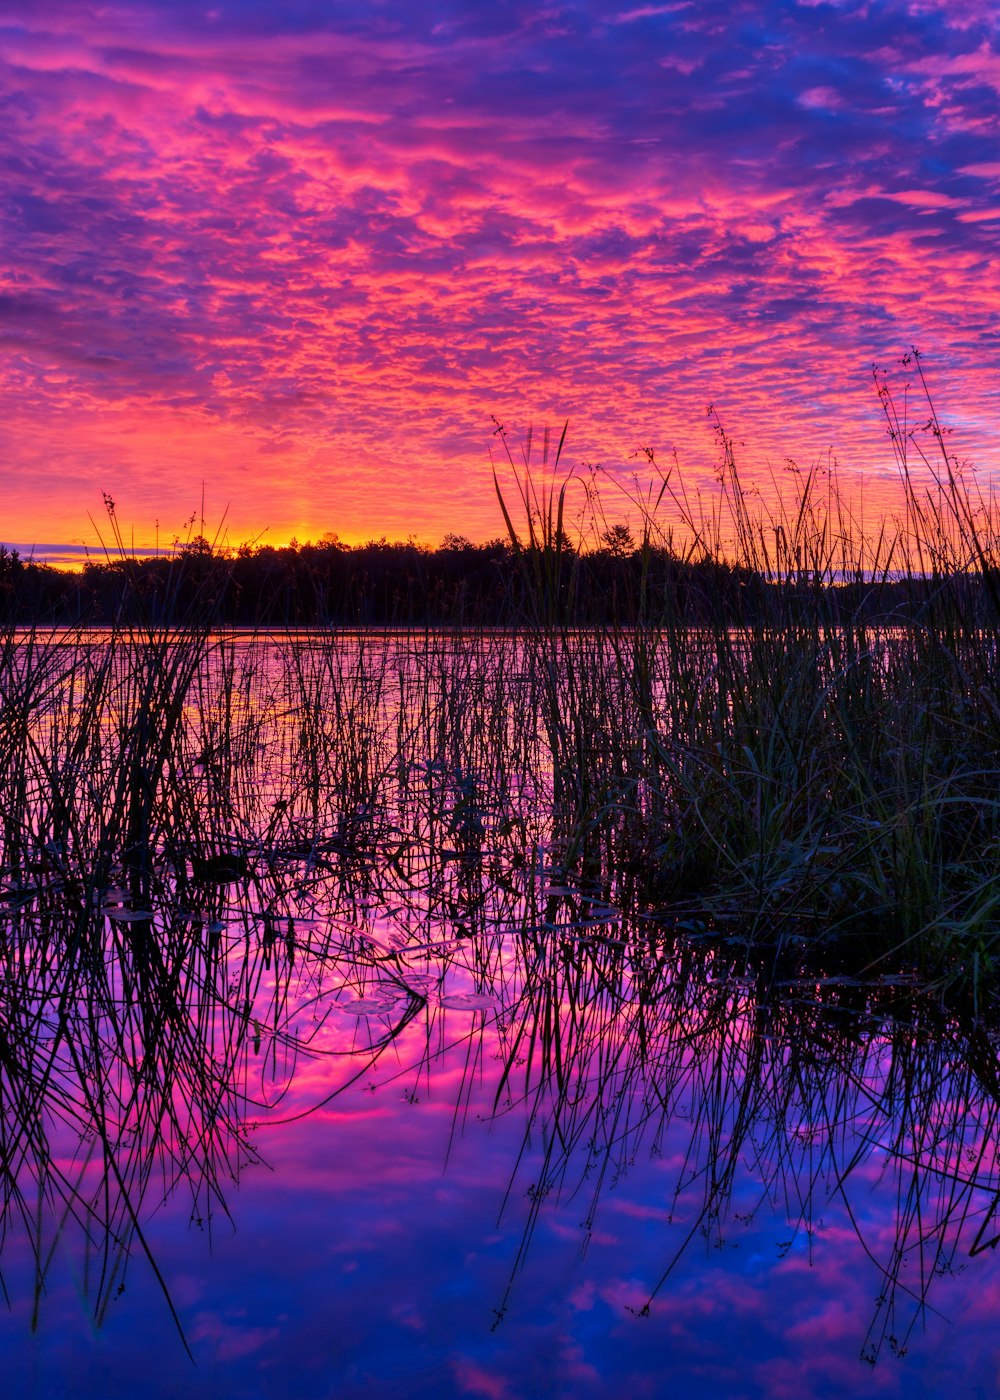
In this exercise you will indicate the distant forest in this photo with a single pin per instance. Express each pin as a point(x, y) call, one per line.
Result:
point(460, 583)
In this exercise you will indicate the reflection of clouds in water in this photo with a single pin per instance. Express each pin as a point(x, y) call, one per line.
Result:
point(375, 1265)
point(641, 1122)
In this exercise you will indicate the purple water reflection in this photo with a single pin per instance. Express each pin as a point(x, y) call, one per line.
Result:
point(423, 1197)
point(362, 1263)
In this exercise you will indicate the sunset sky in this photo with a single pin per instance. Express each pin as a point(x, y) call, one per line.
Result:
point(302, 252)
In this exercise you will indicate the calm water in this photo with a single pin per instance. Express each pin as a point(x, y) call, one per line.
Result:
point(334, 1079)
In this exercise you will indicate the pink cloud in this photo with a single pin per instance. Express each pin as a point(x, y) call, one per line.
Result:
point(294, 263)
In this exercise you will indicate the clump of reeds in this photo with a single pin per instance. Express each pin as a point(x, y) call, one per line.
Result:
point(783, 730)
point(805, 724)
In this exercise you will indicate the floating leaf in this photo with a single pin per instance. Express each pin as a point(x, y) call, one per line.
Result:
point(420, 982)
point(602, 914)
point(368, 1006)
point(467, 1001)
point(445, 945)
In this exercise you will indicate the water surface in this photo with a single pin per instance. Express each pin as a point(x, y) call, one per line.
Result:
point(337, 1061)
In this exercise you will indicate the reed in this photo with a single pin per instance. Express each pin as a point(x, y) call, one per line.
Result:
point(778, 760)
point(804, 729)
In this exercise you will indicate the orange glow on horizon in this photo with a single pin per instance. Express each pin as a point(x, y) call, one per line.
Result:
point(301, 265)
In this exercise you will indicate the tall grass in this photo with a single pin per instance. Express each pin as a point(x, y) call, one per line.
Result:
point(805, 739)
point(784, 768)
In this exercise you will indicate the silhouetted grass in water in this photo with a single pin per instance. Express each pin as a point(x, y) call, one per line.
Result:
point(170, 1048)
point(813, 767)
point(201, 832)
point(796, 1092)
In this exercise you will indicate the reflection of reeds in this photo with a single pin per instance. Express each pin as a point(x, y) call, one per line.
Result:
point(839, 1094)
point(225, 856)
point(353, 845)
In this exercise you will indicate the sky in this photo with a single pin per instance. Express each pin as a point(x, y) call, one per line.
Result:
point(282, 267)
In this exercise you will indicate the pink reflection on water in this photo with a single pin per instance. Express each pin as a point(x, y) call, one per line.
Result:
point(500, 1196)
point(472, 1380)
point(407, 1181)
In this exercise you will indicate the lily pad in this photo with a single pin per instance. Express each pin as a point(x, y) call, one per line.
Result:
point(467, 1001)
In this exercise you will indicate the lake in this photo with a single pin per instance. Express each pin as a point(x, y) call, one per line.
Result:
point(340, 1056)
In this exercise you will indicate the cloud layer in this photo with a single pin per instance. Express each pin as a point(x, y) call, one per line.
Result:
point(302, 254)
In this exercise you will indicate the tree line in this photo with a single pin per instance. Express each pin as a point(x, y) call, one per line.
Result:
point(404, 584)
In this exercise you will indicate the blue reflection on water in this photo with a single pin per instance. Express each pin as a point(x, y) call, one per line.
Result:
point(455, 1232)
point(361, 1267)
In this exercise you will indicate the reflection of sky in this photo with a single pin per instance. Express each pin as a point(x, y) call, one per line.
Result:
point(361, 1264)
point(370, 1256)
point(302, 252)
